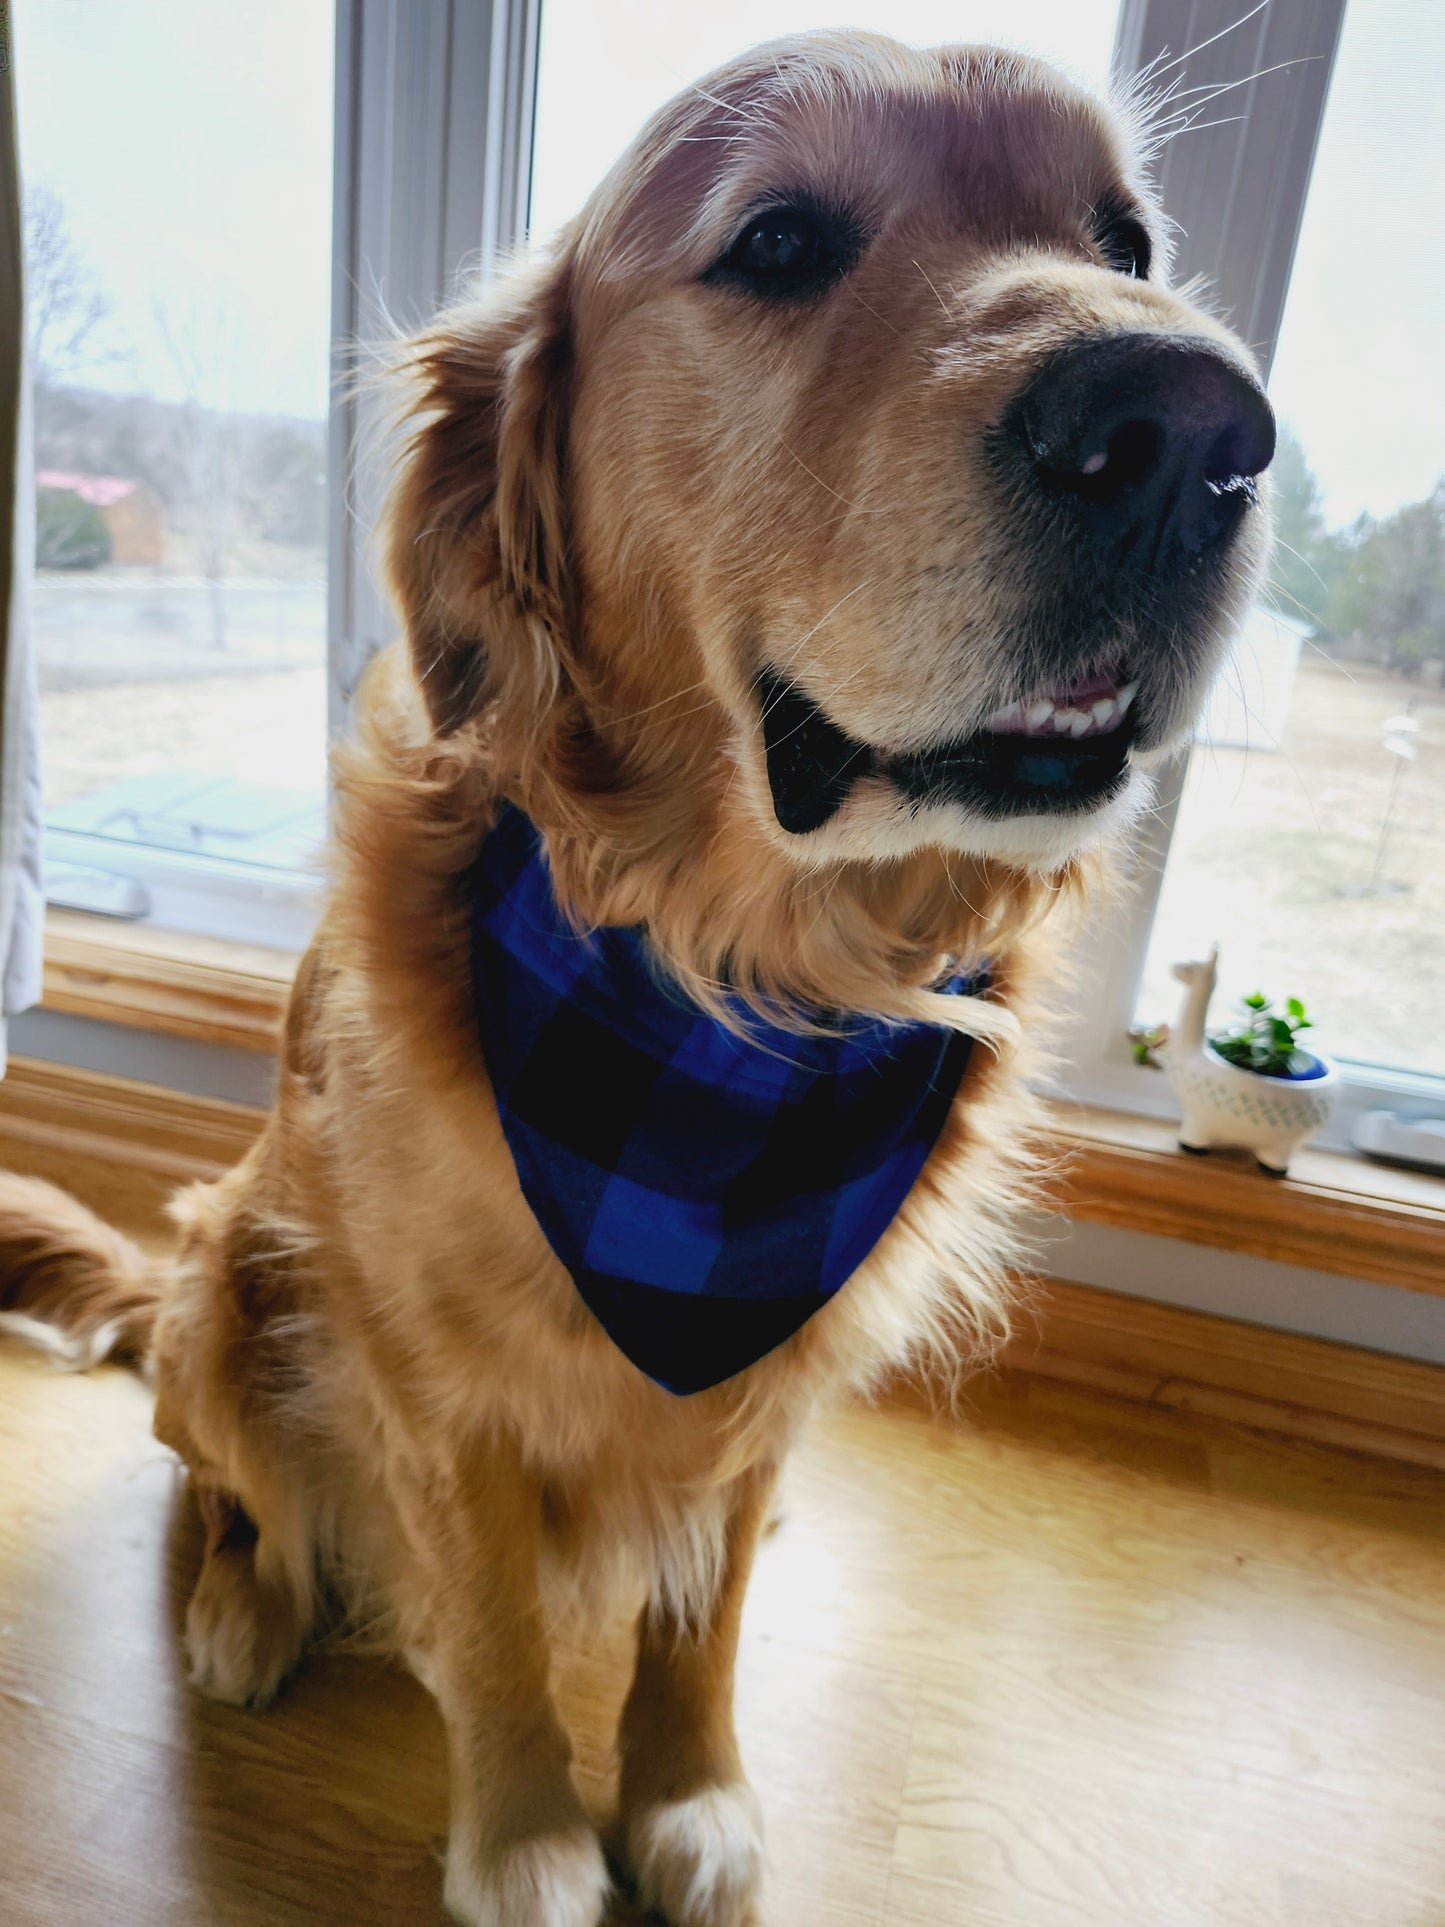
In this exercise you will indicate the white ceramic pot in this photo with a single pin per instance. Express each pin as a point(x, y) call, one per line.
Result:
point(1224, 1105)
point(1271, 1116)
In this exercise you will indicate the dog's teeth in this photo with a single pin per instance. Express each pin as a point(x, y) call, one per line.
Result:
point(1126, 696)
point(1104, 711)
point(1037, 714)
point(1010, 718)
point(1065, 719)
point(1081, 722)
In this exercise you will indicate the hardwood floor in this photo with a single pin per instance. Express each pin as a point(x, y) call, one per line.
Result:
point(1072, 1663)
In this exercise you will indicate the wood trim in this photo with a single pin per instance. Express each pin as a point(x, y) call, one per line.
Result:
point(122, 1147)
point(1332, 1213)
point(1270, 1381)
point(166, 980)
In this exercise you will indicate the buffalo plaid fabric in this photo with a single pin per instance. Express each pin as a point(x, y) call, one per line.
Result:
point(706, 1192)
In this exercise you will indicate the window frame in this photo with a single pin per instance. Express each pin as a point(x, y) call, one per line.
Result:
point(424, 200)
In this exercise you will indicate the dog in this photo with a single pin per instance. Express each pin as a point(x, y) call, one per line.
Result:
point(800, 565)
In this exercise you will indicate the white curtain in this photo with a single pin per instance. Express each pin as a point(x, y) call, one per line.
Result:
point(22, 894)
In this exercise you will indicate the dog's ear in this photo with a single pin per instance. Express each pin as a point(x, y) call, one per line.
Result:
point(477, 537)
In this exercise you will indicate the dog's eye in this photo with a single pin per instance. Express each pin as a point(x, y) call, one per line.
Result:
point(1125, 245)
point(786, 253)
point(780, 246)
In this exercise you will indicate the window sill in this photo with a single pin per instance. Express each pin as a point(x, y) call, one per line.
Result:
point(1335, 1213)
point(170, 981)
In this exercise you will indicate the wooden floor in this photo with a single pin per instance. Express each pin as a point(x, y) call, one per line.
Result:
point(1072, 1662)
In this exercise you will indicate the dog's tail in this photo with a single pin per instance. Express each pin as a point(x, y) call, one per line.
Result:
point(69, 1284)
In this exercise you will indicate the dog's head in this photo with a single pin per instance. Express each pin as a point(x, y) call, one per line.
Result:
point(848, 469)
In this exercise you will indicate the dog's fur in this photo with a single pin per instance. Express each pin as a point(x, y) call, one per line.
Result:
point(622, 492)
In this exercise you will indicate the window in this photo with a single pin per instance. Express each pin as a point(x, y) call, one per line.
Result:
point(289, 208)
point(1304, 831)
point(1311, 835)
point(178, 216)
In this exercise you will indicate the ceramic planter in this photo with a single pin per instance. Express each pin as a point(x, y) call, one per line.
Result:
point(1224, 1105)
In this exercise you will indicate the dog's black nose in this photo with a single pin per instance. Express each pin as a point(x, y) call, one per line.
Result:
point(1156, 439)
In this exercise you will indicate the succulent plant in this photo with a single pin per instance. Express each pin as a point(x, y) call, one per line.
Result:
point(1264, 1040)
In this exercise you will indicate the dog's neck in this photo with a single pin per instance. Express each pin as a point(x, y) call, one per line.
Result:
point(728, 911)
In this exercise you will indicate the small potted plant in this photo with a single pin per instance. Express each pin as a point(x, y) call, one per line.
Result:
point(1266, 1043)
point(1253, 1085)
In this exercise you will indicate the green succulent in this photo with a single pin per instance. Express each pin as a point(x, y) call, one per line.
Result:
point(1265, 1041)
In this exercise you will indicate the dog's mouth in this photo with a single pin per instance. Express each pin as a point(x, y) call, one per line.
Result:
point(1060, 752)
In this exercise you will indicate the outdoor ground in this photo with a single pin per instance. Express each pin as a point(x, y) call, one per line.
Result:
point(131, 682)
point(1274, 854)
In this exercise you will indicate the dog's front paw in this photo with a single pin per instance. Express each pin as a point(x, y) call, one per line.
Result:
point(549, 1880)
point(699, 1861)
point(242, 1637)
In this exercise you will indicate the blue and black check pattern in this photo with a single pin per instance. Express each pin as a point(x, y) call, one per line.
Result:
point(707, 1192)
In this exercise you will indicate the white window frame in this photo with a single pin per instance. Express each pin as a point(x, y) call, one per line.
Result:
point(433, 147)
point(433, 173)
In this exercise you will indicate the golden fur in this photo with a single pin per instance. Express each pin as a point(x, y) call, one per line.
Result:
point(616, 491)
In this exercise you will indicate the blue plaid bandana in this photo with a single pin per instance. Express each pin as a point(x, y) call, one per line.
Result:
point(707, 1192)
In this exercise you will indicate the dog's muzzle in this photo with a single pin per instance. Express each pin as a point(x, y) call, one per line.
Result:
point(1129, 463)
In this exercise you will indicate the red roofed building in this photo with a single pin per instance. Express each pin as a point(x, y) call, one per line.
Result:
point(130, 511)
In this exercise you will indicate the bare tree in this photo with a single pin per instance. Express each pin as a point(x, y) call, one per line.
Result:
point(71, 322)
point(286, 481)
point(201, 354)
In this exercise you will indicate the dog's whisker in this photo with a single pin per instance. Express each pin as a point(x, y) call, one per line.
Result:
point(714, 100)
point(793, 455)
point(1199, 126)
point(1230, 86)
point(802, 642)
point(936, 295)
point(676, 695)
point(1280, 543)
point(1233, 27)
point(873, 311)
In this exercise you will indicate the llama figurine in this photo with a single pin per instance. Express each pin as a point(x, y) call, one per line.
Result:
point(1270, 1115)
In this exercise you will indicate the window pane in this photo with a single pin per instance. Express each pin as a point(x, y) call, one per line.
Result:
point(1312, 835)
point(177, 174)
point(604, 67)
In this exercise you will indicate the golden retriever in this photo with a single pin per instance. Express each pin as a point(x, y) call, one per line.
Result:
point(815, 544)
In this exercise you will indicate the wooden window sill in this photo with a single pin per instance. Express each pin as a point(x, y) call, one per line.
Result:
point(1333, 1213)
point(166, 980)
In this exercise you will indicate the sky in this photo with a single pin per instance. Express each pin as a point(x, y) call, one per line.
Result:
point(1359, 370)
point(190, 141)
